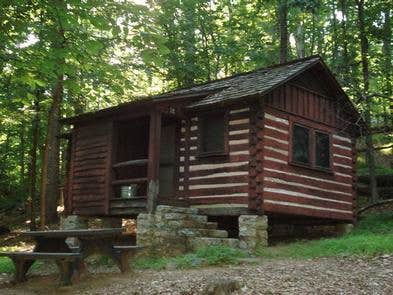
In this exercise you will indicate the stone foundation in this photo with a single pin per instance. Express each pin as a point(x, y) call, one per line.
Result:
point(174, 230)
point(252, 232)
point(163, 233)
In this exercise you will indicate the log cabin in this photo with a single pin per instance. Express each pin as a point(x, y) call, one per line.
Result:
point(278, 141)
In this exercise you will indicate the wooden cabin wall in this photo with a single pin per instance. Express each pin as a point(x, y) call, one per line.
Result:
point(290, 189)
point(88, 181)
point(216, 182)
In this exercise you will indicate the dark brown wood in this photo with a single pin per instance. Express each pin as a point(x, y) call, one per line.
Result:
point(24, 260)
point(153, 165)
point(262, 143)
point(129, 181)
point(139, 162)
point(76, 233)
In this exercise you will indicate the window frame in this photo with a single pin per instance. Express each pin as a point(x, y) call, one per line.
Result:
point(315, 130)
point(311, 147)
point(309, 164)
point(225, 150)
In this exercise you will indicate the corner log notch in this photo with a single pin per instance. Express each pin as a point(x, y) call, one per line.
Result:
point(153, 164)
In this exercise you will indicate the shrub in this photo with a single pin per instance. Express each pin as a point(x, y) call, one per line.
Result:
point(373, 235)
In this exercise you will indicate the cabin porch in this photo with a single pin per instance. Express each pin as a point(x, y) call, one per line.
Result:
point(143, 164)
point(123, 164)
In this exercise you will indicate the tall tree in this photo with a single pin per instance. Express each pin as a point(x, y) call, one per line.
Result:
point(33, 162)
point(283, 29)
point(50, 173)
point(364, 47)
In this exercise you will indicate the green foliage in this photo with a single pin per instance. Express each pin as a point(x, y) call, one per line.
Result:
point(371, 236)
point(6, 265)
point(207, 256)
point(111, 51)
point(150, 263)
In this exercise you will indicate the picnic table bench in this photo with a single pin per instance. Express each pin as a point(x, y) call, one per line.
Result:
point(51, 245)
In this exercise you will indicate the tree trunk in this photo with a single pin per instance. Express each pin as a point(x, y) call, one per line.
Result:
point(299, 37)
point(387, 59)
point(335, 39)
point(22, 158)
point(50, 172)
point(189, 46)
point(344, 43)
point(33, 164)
point(50, 167)
point(50, 191)
point(365, 71)
point(283, 28)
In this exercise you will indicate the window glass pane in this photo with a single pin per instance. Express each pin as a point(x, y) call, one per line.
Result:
point(322, 153)
point(212, 133)
point(300, 143)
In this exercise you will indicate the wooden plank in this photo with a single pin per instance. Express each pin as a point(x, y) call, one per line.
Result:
point(89, 179)
point(104, 232)
point(153, 165)
point(221, 200)
point(129, 181)
point(91, 146)
point(277, 208)
point(92, 156)
point(308, 193)
point(319, 182)
point(218, 180)
point(218, 170)
point(41, 255)
point(217, 191)
point(139, 162)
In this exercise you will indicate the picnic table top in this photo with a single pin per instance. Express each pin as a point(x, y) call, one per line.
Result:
point(75, 233)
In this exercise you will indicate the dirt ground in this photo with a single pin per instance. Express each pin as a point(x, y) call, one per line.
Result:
point(316, 276)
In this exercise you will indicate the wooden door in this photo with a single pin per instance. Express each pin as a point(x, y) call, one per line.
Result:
point(167, 160)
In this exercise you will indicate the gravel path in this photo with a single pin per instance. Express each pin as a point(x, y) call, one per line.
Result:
point(317, 276)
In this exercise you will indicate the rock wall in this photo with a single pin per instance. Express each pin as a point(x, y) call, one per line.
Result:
point(253, 232)
point(174, 230)
point(163, 233)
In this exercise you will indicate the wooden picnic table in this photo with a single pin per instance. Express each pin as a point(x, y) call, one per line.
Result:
point(51, 244)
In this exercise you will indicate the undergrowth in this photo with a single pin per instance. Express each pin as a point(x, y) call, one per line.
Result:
point(207, 256)
point(372, 236)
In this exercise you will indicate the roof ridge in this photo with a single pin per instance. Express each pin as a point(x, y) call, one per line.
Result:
point(240, 74)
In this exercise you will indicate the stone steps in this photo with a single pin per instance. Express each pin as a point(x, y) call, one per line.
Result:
point(203, 232)
point(211, 225)
point(175, 230)
point(200, 242)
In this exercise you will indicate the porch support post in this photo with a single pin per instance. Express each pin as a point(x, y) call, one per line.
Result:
point(153, 165)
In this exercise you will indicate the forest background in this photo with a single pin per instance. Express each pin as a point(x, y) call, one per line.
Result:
point(60, 58)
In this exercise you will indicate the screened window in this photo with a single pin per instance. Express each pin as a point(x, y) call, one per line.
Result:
point(322, 150)
point(212, 133)
point(301, 143)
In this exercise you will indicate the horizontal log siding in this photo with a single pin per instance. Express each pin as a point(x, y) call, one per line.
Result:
point(289, 189)
point(88, 173)
point(216, 181)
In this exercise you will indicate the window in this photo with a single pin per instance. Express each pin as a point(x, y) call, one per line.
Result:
point(310, 147)
point(322, 150)
point(212, 134)
point(301, 143)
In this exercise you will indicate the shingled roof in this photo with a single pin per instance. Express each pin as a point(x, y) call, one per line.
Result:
point(257, 82)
